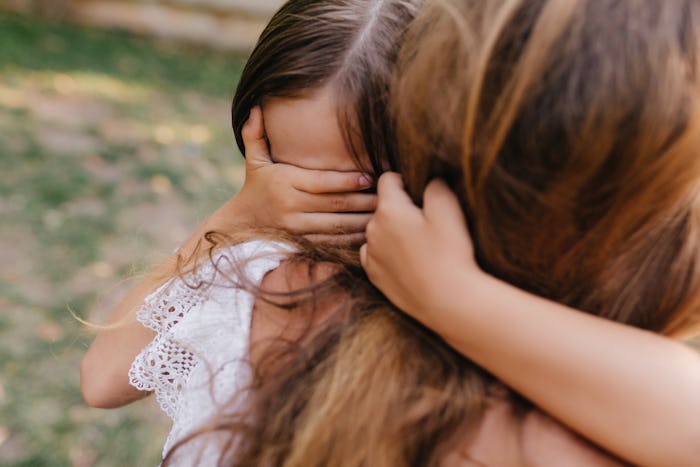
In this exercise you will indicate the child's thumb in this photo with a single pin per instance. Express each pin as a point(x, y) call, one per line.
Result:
point(253, 133)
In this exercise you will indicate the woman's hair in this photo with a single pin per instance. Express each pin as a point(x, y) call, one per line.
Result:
point(303, 388)
point(350, 45)
point(570, 131)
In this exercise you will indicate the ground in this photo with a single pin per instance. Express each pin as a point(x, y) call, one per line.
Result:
point(112, 148)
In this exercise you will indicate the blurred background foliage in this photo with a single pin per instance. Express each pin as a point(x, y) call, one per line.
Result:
point(112, 148)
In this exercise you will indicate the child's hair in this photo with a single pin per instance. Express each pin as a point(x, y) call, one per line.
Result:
point(350, 45)
point(570, 131)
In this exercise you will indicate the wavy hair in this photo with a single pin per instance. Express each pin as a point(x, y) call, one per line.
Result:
point(571, 131)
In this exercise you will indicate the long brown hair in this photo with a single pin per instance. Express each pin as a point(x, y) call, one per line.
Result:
point(569, 129)
point(576, 150)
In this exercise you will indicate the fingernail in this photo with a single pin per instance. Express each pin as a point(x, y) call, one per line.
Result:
point(365, 181)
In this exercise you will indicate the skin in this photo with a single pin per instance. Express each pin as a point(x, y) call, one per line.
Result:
point(305, 133)
point(633, 392)
point(505, 438)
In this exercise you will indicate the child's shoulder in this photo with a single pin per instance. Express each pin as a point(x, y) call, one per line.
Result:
point(215, 278)
point(201, 316)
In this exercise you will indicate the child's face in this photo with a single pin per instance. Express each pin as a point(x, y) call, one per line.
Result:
point(305, 132)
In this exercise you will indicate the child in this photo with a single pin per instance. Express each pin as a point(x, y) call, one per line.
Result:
point(619, 242)
point(315, 184)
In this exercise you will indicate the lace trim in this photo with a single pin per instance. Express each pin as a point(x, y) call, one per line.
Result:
point(164, 366)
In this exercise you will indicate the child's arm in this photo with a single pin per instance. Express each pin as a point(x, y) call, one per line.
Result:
point(273, 195)
point(634, 393)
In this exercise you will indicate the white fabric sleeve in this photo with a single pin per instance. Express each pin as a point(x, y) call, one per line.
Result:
point(201, 318)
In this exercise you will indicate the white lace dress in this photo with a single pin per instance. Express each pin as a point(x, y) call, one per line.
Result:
point(198, 359)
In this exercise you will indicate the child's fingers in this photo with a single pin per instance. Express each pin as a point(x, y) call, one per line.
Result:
point(369, 263)
point(328, 181)
point(253, 134)
point(345, 202)
point(338, 239)
point(332, 223)
point(363, 256)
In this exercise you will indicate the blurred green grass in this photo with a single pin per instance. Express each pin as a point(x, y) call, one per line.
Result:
point(39, 45)
point(112, 148)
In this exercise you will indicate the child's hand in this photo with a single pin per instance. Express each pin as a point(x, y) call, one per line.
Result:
point(418, 258)
point(322, 205)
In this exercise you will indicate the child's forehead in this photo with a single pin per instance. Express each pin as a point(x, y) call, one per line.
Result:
point(306, 131)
